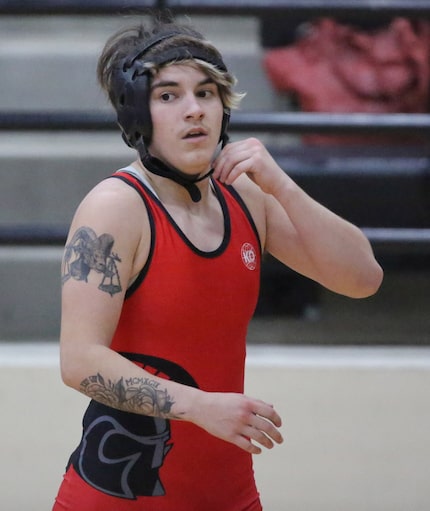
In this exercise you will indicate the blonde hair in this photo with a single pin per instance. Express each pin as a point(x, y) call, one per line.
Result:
point(127, 40)
point(224, 81)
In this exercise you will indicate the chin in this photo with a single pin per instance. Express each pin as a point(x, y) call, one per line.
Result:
point(194, 168)
point(191, 163)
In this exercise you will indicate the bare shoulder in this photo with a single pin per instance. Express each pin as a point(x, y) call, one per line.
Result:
point(113, 202)
point(113, 210)
point(111, 193)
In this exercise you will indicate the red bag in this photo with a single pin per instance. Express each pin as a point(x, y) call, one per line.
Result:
point(336, 67)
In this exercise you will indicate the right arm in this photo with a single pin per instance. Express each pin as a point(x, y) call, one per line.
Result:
point(107, 245)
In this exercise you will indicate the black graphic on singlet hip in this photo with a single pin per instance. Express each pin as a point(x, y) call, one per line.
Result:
point(121, 453)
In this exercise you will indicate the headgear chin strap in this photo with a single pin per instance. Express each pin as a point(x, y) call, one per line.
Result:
point(131, 90)
point(156, 166)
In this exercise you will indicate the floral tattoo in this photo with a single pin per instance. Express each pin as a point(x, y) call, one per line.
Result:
point(138, 394)
point(87, 251)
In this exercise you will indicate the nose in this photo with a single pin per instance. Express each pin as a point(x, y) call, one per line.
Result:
point(193, 109)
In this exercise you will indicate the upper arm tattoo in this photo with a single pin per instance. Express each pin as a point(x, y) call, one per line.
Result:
point(87, 251)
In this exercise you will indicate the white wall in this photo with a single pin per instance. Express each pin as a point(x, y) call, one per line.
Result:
point(356, 423)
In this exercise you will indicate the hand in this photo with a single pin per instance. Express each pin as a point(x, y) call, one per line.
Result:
point(249, 157)
point(239, 420)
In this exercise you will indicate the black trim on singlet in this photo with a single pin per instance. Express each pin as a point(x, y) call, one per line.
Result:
point(245, 209)
point(226, 221)
point(145, 268)
point(162, 367)
point(226, 217)
point(135, 183)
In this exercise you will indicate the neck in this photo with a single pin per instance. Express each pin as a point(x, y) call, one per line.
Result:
point(159, 168)
point(169, 190)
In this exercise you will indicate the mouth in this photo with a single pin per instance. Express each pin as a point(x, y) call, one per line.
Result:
point(195, 133)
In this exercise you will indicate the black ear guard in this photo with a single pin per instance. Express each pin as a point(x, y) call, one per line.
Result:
point(132, 82)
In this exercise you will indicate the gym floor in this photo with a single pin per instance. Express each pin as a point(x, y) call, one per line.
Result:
point(355, 426)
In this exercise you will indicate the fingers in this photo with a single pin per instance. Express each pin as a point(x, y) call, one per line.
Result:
point(231, 164)
point(248, 157)
point(246, 444)
point(264, 436)
point(261, 428)
point(266, 432)
point(249, 423)
point(265, 410)
point(237, 158)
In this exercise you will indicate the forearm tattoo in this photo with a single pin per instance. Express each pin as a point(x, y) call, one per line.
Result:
point(87, 251)
point(138, 394)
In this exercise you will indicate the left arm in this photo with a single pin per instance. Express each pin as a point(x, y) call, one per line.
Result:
point(300, 232)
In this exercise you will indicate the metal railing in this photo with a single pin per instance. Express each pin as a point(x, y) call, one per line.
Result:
point(246, 121)
point(308, 8)
point(385, 240)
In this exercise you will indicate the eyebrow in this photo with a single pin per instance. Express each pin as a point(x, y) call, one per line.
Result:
point(171, 83)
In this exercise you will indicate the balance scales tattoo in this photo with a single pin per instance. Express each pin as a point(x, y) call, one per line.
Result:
point(87, 251)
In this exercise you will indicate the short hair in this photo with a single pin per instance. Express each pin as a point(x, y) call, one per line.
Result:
point(127, 40)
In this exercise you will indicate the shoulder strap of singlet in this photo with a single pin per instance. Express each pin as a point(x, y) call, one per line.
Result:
point(136, 181)
point(133, 179)
point(140, 177)
point(238, 198)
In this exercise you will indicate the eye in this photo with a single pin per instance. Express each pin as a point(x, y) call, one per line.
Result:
point(167, 96)
point(205, 93)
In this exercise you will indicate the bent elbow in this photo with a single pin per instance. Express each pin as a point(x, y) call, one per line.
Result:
point(369, 283)
point(71, 368)
point(67, 374)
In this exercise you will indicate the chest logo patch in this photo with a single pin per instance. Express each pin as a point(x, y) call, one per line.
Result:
point(249, 256)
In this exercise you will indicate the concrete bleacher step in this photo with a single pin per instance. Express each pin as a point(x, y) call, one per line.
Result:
point(30, 307)
point(30, 302)
point(45, 175)
point(50, 62)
